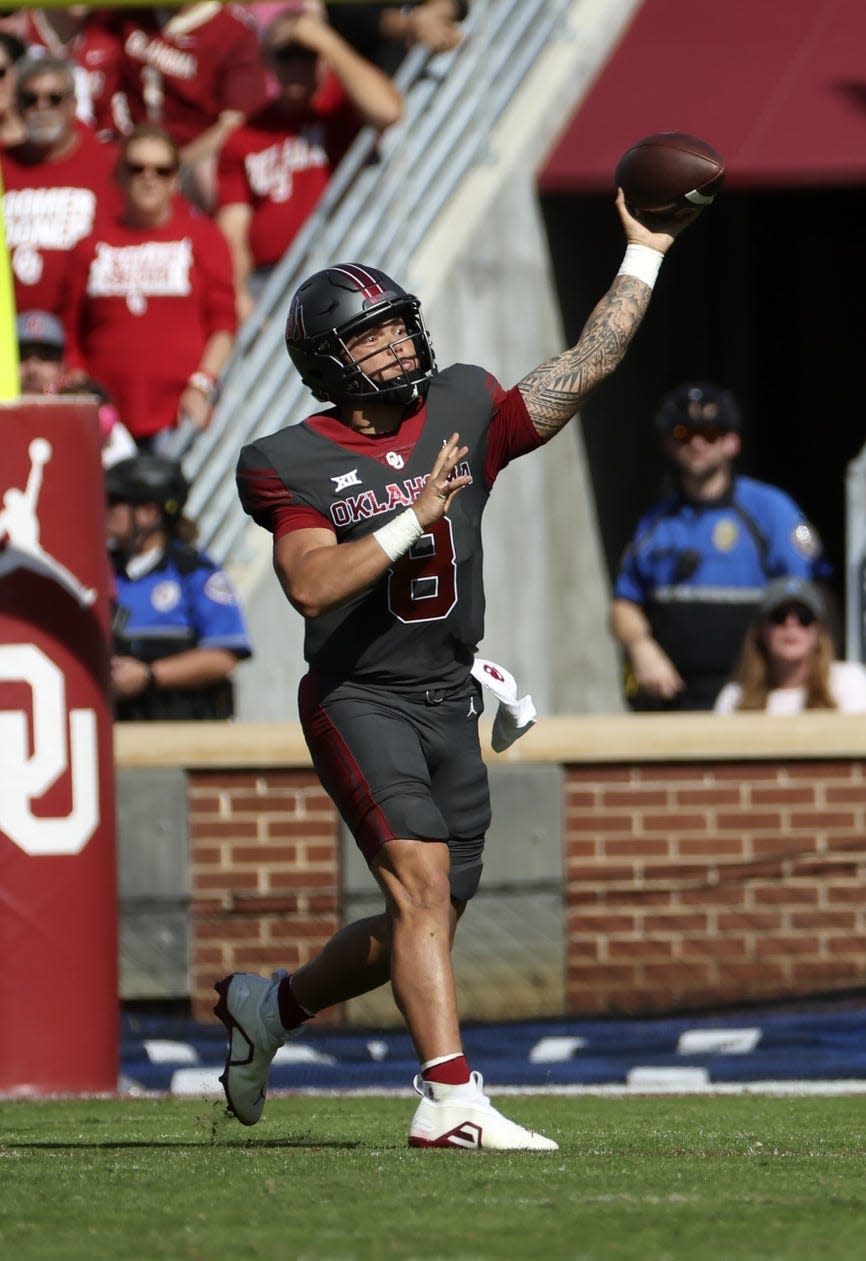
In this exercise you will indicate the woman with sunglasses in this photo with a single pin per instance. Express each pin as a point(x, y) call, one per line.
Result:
point(149, 309)
point(787, 661)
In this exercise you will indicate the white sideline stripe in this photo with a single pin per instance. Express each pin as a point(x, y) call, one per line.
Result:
point(164, 1051)
point(188, 1081)
point(291, 1053)
point(205, 1083)
point(674, 1079)
point(718, 1041)
point(196, 1081)
point(555, 1050)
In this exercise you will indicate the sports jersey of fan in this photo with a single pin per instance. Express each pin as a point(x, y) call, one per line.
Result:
point(170, 603)
point(96, 53)
point(419, 626)
point(48, 207)
point(699, 569)
point(184, 72)
point(141, 305)
point(279, 163)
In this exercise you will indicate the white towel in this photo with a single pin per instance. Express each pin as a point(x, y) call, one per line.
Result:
point(515, 715)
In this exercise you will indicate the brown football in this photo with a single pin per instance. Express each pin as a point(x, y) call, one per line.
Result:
point(669, 172)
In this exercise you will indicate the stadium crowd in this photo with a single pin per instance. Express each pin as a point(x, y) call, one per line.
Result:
point(158, 163)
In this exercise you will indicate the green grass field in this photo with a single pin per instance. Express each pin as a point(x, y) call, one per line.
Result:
point(636, 1179)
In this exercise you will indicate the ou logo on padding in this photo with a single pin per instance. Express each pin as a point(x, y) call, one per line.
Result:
point(25, 776)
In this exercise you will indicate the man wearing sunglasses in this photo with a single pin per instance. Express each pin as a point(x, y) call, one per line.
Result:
point(696, 569)
point(54, 180)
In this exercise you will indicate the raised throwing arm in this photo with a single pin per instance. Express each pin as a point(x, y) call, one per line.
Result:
point(556, 389)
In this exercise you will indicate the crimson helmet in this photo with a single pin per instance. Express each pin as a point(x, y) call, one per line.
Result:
point(334, 305)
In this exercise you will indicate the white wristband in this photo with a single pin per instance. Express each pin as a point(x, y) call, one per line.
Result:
point(398, 535)
point(642, 262)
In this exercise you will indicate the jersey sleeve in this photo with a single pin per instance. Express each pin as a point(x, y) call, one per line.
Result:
point(269, 501)
point(215, 611)
point(214, 259)
point(232, 183)
point(632, 582)
point(728, 700)
point(794, 546)
point(848, 684)
point(243, 82)
point(511, 432)
point(72, 299)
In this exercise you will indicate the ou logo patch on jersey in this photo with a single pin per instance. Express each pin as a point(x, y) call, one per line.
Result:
point(26, 776)
point(395, 459)
point(165, 596)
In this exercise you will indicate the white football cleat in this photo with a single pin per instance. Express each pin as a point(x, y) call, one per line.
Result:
point(249, 1010)
point(463, 1116)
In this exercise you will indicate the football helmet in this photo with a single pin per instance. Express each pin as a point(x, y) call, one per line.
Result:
point(144, 479)
point(699, 403)
point(334, 305)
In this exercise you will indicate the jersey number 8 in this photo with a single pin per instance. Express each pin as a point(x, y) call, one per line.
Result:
point(422, 586)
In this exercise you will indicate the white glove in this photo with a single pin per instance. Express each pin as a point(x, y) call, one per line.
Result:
point(515, 715)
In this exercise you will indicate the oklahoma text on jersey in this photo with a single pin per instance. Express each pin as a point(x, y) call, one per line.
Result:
point(346, 512)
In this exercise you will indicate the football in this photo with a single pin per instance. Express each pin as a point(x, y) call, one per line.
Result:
point(668, 173)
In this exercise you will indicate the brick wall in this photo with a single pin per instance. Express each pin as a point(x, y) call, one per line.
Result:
point(705, 861)
point(693, 885)
point(265, 874)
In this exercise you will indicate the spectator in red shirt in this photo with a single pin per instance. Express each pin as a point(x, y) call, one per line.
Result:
point(196, 71)
point(87, 40)
point(273, 169)
point(150, 307)
point(55, 180)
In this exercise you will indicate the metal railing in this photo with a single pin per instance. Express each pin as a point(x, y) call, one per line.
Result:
point(380, 203)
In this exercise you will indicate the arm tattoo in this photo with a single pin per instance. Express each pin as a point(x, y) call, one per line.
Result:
point(554, 391)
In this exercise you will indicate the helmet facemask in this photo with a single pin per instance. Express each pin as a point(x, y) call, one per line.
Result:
point(409, 383)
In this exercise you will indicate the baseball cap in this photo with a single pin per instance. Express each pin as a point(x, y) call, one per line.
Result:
point(699, 403)
point(792, 590)
point(40, 328)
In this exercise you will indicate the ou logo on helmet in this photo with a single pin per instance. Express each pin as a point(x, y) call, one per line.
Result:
point(62, 741)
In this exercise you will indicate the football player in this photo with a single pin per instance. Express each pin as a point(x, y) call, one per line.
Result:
point(375, 505)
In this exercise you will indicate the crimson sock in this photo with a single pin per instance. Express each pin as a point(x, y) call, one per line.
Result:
point(449, 1070)
point(292, 1013)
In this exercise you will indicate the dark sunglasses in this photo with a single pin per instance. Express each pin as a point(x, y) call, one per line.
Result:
point(293, 52)
point(803, 615)
point(163, 169)
point(37, 350)
point(683, 434)
point(27, 100)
